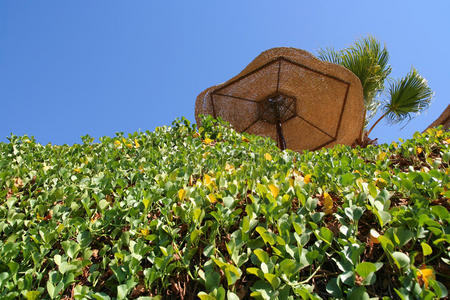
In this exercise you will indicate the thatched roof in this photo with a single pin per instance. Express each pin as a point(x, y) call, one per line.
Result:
point(444, 119)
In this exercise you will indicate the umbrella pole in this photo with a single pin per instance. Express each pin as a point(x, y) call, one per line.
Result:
point(276, 110)
point(281, 140)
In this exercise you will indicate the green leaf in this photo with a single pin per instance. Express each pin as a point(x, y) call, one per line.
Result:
point(55, 284)
point(122, 291)
point(103, 204)
point(103, 296)
point(66, 267)
point(333, 288)
point(228, 201)
point(326, 235)
point(401, 259)
point(289, 266)
point(347, 179)
point(440, 211)
point(273, 280)
point(426, 249)
point(232, 296)
point(71, 248)
point(364, 269)
point(404, 235)
point(212, 279)
point(266, 236)
point(358, 293)
point(256, 272)
point(232, 274)
point(205, 296)
point(262, 255)
point(32, 295)
point(311, 204)
point(439, 288)
point(386, 243)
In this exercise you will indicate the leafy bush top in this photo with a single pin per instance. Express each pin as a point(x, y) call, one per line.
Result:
point(214, 214)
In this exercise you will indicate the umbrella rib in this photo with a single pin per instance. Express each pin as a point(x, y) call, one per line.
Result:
point(278, 78)
point(235, 97)
point(251, 125)
point(213, 107)
point(324, 144)
point(293, 116)
point(313, 70)
point(247, 75)
point(315, 126)
point(342, 109)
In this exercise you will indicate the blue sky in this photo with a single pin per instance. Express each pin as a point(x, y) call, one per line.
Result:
point(70, 68)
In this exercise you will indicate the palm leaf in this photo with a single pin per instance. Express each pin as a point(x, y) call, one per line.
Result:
point(409, 95)
point(330, 55)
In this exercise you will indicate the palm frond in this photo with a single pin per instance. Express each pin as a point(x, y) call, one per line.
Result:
point(411, 94)
point(330, 55)
point(368, 60)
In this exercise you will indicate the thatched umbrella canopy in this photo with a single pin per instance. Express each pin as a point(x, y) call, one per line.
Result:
point(291, 96)
point(444, 119)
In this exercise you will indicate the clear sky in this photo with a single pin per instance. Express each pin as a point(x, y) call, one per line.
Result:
point(70, 68)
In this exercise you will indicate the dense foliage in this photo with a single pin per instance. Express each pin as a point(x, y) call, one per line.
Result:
point(183, 212)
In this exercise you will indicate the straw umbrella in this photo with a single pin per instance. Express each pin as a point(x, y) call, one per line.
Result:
point(292, 97)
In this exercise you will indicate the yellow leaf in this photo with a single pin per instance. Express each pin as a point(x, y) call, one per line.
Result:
point(447, 141)
point(136, 143)
point(244, 139)
point(291, 182)
point(328, 203)
point(274, 190)
point(439, 133)
point(124, 140)
point(307, 178)
point(117, 143)
point(381, 156)
point(129, 145)
point(424, 274)
point(207, 179)
point(181, 194)
point(144, 231)
point(204, 155)
point(207, 141)
point(380, 183)
point(395, 145)
point(419, 150)
point(141, 169)
point(146, 202)
point(212, 198)
point(76, 170)
point(268, 157)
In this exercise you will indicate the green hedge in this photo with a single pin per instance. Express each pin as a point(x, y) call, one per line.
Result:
point(209, 213)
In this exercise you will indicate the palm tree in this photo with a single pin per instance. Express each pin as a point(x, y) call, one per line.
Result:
point(369, 62)
point(409, 95)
